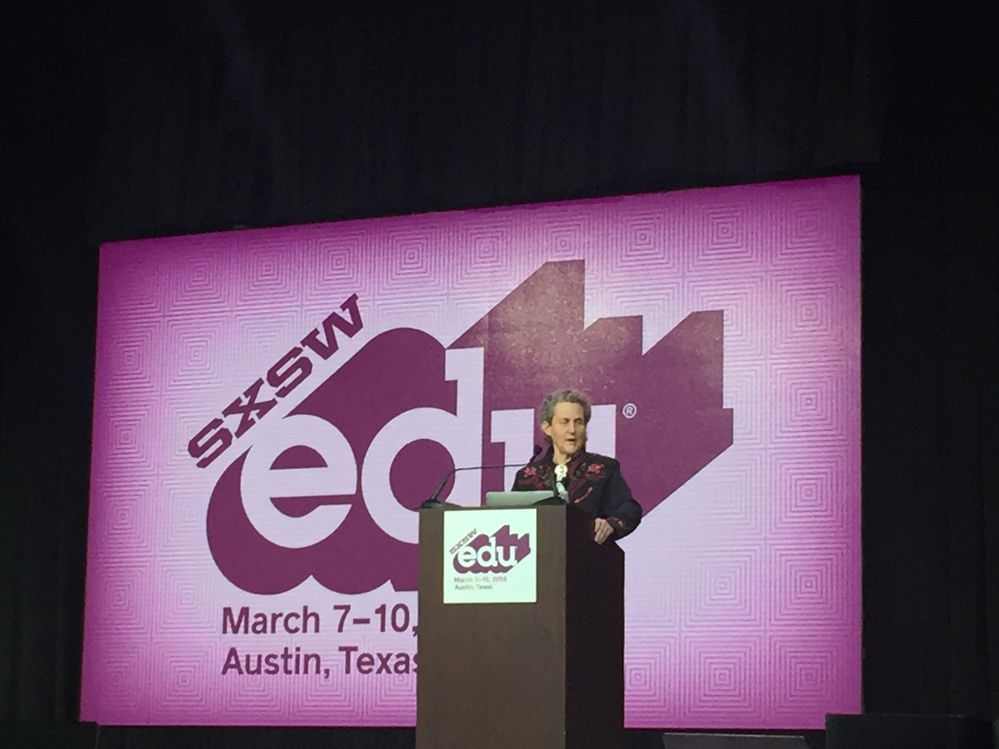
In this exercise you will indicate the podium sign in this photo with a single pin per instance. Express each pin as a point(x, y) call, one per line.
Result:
point(544, 672)
point(490, 557)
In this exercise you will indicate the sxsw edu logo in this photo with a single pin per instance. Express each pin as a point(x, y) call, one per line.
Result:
point(498, 553)
point(331, 492)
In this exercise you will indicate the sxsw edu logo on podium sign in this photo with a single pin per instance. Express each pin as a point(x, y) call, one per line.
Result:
point(331, 492)
point(489, 556)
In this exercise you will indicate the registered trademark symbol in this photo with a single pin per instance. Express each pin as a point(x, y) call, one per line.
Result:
point(629, 410)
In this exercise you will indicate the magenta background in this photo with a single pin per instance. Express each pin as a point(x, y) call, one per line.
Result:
point(743, 588)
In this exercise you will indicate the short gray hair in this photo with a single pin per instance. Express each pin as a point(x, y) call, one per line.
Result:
point(563, 396)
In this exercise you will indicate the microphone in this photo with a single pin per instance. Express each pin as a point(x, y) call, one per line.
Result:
point(434, 500)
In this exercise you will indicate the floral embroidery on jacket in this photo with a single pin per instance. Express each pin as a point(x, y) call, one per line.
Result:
point(587, 482)
point(534, 477)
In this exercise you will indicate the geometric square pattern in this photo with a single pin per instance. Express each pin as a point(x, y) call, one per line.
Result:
point(743, 585)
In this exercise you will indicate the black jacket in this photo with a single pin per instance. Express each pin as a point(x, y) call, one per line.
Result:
point(593, 482)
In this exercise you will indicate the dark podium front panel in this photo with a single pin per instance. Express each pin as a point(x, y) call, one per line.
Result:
point(527, 675)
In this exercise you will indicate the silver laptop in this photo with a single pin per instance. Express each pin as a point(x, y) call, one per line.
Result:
point(516, 499)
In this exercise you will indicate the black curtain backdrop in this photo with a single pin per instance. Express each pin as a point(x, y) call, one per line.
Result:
point(208, 116)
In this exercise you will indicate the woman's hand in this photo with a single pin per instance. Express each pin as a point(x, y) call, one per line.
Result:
point(602, 530)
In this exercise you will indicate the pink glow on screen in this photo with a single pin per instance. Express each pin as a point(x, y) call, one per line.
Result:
point(270, 403)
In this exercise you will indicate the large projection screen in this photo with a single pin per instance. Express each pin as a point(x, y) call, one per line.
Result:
point(270, 406)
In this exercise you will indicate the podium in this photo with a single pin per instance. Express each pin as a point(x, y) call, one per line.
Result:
point(542, 675)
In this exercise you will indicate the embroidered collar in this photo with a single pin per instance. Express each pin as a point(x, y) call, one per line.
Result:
point(545, 463)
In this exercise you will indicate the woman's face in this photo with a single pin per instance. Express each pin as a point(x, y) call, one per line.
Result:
point(567, 430)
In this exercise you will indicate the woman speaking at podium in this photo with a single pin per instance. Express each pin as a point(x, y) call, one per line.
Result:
point(593, 482)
